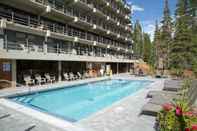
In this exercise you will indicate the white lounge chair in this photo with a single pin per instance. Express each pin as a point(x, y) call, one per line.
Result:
point(49, 78)
point(86, 75)
point(66, 76)
point(28, 80)
point(79, 75)
point(72, 76)
point(40, 79)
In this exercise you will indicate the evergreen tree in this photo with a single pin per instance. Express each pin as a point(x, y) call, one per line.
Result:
point(182, 46)
point(147, 48)
point(138, 39)
point(156, 42)
point(165, 38)
point(193, 13)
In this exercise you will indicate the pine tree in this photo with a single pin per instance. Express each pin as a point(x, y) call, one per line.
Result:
point(147, 48)
point(166, 31)
point(193, 13)
point(156, 42)
point(181, 47)
point(138, 39)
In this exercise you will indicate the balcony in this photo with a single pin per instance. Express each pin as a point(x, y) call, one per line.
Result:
point(58, 32)
point(33, 51)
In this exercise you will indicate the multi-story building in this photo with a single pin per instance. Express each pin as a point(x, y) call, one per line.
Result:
point(56, 36)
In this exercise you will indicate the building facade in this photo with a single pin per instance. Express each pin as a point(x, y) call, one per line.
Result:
point(56, 36)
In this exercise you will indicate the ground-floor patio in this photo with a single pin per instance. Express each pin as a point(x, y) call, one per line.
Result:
point(121, 116)
point(18, 70)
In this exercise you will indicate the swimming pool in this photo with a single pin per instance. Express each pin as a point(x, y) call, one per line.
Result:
point(77, 102)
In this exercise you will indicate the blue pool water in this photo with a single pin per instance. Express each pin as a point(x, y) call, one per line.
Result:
point(78, 102)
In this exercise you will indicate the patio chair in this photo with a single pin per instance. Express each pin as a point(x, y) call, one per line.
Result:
point(49, 78)
point(72, 76)
point(40, 79)
point(86, 75)
point(154, 105)
point(66, 76)
point(151, 94)
point(28, 80)
point(79, 75)
point(173, 85)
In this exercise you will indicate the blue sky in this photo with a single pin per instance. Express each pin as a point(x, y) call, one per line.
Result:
point(148, 11)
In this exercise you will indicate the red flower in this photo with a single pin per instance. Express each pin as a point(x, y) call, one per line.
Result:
point(187, 129)
point(194, 127)
point(178, 111)
point(167, 107)
point(189, 114)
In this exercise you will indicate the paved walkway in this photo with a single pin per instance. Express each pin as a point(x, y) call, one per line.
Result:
point(11, 120)
point(121, 116)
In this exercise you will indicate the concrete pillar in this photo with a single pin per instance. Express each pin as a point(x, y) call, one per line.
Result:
point(13, 70)
point(59, 71)
point(117, 68)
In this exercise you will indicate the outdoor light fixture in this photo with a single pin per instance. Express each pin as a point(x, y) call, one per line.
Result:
point(48, 33)
point(107, 3)
point(48, 9)
point(76, 39)
point(94, 43)
point(94, 10)
point(107, 17)
point(75, 19)
point(94, 26)
point(108, 46)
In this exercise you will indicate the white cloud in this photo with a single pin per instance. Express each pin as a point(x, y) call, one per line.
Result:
point(149, 27)
point(137, 8)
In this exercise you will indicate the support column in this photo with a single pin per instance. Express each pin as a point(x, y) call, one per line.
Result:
point(117, 68)
point(13, 70)
point(59, 71)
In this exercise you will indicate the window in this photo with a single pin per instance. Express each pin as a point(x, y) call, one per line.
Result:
point(6, 67)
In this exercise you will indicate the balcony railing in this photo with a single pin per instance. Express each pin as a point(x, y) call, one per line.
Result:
point(37, 48)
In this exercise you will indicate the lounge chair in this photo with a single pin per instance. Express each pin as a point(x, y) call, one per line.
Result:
point(173, 85)
point(151, 94)
point(79, 75)
point(155, 103)
point(86, 75)
point(72, 76)
point(28, 80)
point(49, 78)
point(40, 79)
point(66, 76)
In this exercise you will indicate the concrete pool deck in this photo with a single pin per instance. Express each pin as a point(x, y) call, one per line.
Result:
point(121, 116)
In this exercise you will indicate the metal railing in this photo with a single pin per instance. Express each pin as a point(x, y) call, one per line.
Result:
point(80, 51)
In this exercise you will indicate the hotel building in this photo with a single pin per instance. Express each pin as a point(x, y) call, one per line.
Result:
point(56, 36)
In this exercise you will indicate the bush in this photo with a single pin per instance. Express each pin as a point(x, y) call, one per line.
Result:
point(177, 117)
